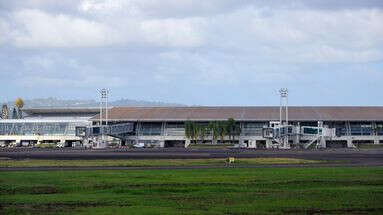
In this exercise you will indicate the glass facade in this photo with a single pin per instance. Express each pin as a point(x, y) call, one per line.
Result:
point(379, 128)
point(38, 128)
point(253, 128)
point(175, 129)
point(311, 130)
point(361, 129)
point(150, 129)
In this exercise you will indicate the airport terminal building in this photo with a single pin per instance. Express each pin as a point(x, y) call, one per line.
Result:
point(259, 126)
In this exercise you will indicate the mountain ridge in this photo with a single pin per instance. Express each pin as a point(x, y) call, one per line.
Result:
point(52, 102)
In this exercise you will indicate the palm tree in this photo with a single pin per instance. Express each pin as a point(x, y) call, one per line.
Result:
point(377, 129)
point(213, 127)
point(193, 131)
point(203, 130)
point(196, 132)
point(230, 128)
point(188, 130)
point(4, 112)
point(14, 114)
point(222, 130)
point(237, 131)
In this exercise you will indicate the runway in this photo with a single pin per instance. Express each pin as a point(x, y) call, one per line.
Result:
point(334, 157)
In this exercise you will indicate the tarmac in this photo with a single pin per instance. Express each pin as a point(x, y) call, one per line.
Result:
point(333, 157)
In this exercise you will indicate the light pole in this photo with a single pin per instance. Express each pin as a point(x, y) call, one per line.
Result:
point(283, 104)
point(284, 100)
point(103, 105)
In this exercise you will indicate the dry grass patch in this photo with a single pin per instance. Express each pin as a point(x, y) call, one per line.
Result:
point(149, 163)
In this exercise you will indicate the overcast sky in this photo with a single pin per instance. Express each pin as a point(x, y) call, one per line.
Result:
point(195, 52)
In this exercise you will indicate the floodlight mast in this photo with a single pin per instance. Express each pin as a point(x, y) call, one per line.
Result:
point(103, 105)
point(284, 105)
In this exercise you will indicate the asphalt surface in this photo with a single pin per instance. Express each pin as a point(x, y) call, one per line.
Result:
point(334, 157)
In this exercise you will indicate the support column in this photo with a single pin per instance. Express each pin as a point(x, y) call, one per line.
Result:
point(350, 144)
point(322, 143)
point(122, 142)
point(62, 143)
point(269, 143)
point(241, 142)
point(254, 143)
point(162, 143)
point(297, 135)
point(163, 127)
point(187, 143)
point(138, 131)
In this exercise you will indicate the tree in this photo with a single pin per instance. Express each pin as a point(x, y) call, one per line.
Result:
point(19, 103)
point(230, 128)
point(196, 132)
point(237, 131)
point(213, 127)
point(203, 130)
point(14, 113)
point(222, 130)
point(233, 129)
point(4, 112)
point(378, 128)
point(188, 129)
point(192, 131)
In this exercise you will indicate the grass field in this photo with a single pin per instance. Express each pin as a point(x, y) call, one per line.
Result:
point(150, 163)
point(199, 191)
point(370, 146)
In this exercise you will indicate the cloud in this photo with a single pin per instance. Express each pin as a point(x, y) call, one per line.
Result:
point(161, 9)
point(36, 29)
point(303, 35)
point(39, 29)
point(174, 32)
point(216, 47)
point(247, 28)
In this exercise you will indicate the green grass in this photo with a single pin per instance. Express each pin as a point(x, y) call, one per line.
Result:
point(199, 191)
point(370, 146)
point(149, 163)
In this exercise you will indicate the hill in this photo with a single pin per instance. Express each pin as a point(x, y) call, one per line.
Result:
point(54, 102)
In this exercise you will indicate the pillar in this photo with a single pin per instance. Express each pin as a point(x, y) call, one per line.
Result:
point(187, 143)
point(254, 143)
point(322, 142)
point(18, 142)
point(162, 143)
point(62, 143)
point(350, 144)
point(241, 142)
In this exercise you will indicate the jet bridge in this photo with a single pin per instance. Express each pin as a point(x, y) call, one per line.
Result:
point(114, 130)
point(282, 134)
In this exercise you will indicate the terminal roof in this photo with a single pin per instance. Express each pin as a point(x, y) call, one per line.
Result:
point(248, 113)
point(62, 110)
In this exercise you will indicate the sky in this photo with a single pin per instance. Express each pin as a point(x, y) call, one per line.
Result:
point(215, 52)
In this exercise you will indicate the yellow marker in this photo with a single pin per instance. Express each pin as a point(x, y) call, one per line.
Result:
point(230, 160)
